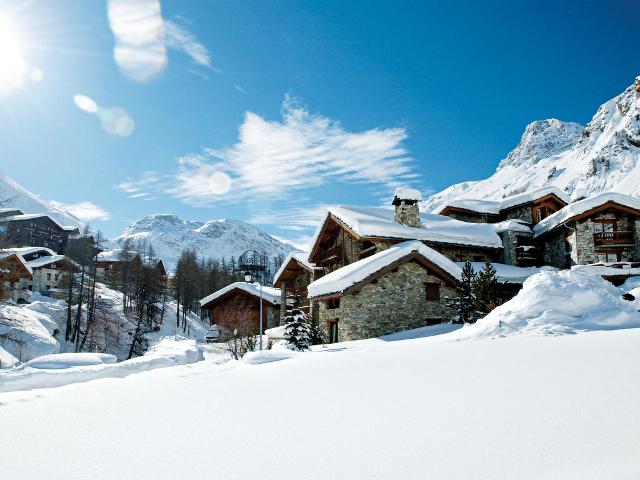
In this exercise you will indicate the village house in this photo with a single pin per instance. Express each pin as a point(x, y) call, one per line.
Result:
point(13, 270)
point(398, 288)
point(46, 267)
point(604, 228)
point(35, 230)
point(237, 307)
point(292, 278)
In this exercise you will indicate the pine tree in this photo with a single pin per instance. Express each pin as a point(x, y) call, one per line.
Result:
point(464, 304)
point(485, 289)
point(297, 331)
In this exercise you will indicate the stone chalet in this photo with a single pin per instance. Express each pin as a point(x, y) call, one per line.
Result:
point(405, 287)
point(292, 278)
point(109, 264)
point(46, 267)
point(237, 306)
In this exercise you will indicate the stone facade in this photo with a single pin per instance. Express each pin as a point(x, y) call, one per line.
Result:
point(393, 302)
point(575, 245)
point(522, 212)
point(510, 246)
point(463, 253)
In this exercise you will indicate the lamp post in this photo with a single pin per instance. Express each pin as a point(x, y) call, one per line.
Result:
point(251, 261)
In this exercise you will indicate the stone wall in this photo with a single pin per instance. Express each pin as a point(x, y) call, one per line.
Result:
point(394, 302)
point(522, 212)
point(407, 213)
point(463, 253)
point(510, 246)
point(554, 249)
point(636, 238)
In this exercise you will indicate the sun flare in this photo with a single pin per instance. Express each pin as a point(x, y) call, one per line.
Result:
point(12, 63)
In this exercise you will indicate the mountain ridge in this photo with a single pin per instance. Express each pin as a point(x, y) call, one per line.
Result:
point(220, 239)
point(602, 156)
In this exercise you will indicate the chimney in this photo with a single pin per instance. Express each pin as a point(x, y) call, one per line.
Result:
point(406, 201)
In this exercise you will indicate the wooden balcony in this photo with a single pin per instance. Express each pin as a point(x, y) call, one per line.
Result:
point(331, 255)
point(606, 239)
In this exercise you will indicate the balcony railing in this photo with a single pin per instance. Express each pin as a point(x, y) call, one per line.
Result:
point(330, 255)
point(612, 238)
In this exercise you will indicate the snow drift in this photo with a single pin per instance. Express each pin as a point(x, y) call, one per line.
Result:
point(168, 352)
point(556, 303)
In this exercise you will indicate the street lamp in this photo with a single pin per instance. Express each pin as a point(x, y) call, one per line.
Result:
point(251, 261)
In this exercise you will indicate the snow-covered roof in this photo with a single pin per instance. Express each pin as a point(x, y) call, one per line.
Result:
point(608, 269)
point(43, 261)
point(510, 273)
point(582, 206)
point(512, 226)
point(494, 207)
point(4, 254)
point(532, 196)
point(379, 222)
point(475, 205)
point(29, 250)
point(5, 210)
point(31, 216)
point(269, 294)
point(301, 257)
point(404, 193)
point(342, 279)
point(113, 255)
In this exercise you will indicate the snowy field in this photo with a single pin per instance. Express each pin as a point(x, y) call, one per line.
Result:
point(545, 387)
point(520, 407)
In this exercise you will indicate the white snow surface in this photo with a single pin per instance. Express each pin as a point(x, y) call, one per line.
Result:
point(7, 359)
point(341, 279)
point(219, 239)
point(31, 325)
point(379, 222)
point(512, 226)
point(43, 373)
point(558, 303)
point(582, 206)
point(68, 360)
point(531, 408)
point(269, 294)
point(580, 161)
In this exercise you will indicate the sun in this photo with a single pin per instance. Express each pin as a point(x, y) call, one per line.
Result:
point(13, 66)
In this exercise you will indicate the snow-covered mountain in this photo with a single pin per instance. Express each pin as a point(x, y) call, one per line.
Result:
point(30, 203)
point(220, 239)
point(603, 156)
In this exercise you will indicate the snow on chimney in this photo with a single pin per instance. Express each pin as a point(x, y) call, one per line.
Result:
point(406, 201)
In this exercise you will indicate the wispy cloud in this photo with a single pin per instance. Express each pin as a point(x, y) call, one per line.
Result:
point(85, 211)
point(276, 159)
point(148, 180)
point(177, 37)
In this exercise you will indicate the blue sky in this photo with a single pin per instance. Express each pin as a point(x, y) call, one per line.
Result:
point(265, 111)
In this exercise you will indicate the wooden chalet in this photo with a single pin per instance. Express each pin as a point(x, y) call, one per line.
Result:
point(237, 307)
point(13, 269)
point(293, 277)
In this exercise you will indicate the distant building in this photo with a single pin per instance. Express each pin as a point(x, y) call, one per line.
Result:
point(13, 270)
point(35, 230)
point(237, 307)
point(46, 268)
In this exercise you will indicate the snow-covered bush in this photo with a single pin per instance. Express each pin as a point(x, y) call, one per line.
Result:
point(554, 303)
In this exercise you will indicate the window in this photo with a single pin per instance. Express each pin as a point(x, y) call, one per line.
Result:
point(56, 276)
point(609, 257)
point(333, 330)
point(432, 291)
point(604, 226)
point(333, 303)
point(48, 276)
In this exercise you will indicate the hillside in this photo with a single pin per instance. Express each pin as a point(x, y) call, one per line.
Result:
point(603, 156)
point(30, 203)
point(218, 239)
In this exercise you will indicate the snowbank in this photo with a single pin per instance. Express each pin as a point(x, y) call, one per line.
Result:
point(31, 327)
point(69, 360)
point(267, 356)
point(555, 303)
point(168, 352)
point(6, 359)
